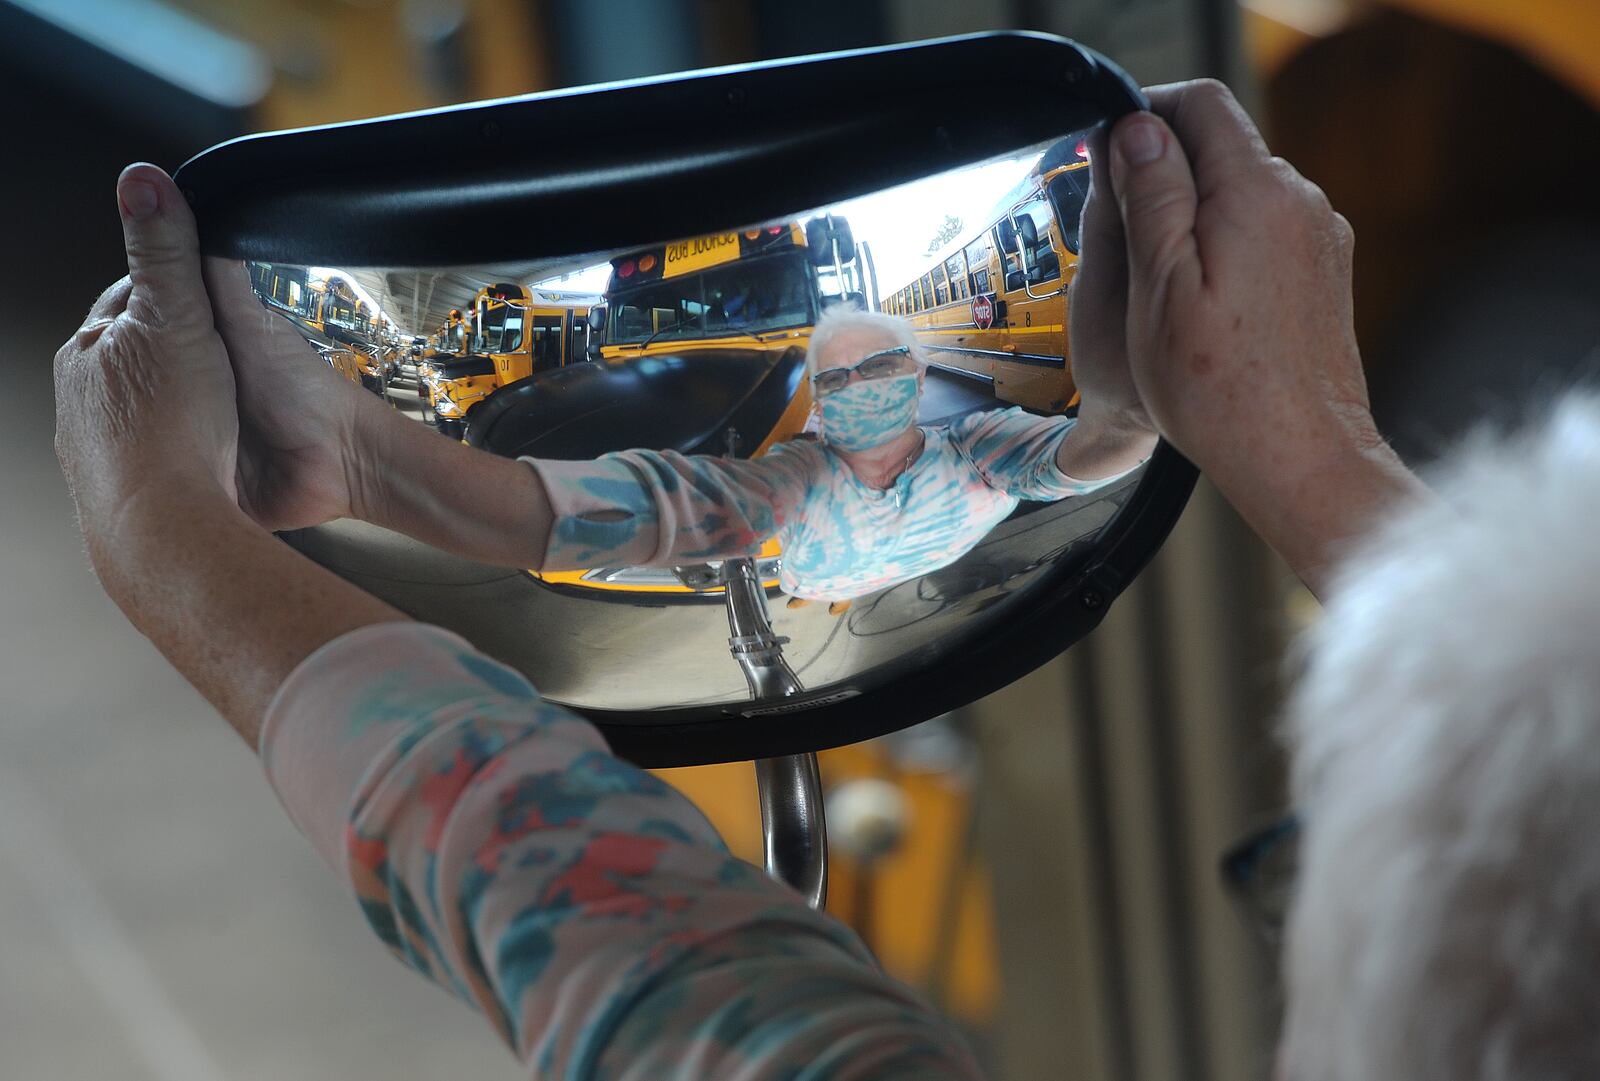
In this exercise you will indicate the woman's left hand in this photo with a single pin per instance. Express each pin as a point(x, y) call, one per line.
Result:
point(144, 392)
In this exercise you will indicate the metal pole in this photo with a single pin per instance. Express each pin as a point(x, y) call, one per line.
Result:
point(794, 835)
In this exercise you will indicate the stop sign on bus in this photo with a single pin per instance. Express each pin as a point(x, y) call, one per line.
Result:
point(983, 311)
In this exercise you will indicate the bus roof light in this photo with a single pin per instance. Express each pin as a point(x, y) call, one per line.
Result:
point(626, 269)
point(646, 263)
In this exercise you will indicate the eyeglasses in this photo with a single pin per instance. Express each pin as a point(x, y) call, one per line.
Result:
point(879, 365)
point(1259, 871)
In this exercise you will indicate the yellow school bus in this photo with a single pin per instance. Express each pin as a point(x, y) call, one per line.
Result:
point(284, 288)
point(324, 308)
point(526, 330)
point(747, 298)
point(446, 344)
point(513, 332)
point(346, 361)
point(348, 333)
point(995, 308)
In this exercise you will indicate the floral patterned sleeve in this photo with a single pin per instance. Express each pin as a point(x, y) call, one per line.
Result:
point(583, 905)
point(1015, 452)
point(646, 507)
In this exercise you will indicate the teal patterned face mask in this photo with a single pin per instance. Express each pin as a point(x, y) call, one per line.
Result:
point(869, 413)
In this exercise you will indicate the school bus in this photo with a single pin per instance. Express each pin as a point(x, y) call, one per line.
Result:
point(444, 345)
point(995, 308)
point(284, 288)
point(513, 332)
point(346, 361)
point(327, 310)
point(746, 299)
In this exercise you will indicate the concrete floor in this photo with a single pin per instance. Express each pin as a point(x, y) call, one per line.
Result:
point(160, 919)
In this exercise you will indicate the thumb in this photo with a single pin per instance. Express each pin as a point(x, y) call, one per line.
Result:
point(163, 247)
point(1156, 194)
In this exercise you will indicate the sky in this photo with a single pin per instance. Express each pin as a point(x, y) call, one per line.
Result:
point(899, 223)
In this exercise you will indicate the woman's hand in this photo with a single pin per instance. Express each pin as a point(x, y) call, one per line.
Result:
point(144, 391)
point(1238, 285)
point(300, 423)
point(1220, 277)
point(147, 432)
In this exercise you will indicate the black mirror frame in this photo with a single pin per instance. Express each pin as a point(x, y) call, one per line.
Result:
point(269, 197)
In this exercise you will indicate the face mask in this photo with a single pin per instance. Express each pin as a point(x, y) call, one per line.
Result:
point(869, 413)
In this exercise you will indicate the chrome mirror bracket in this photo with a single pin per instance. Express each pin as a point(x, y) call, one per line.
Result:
point(794, 834)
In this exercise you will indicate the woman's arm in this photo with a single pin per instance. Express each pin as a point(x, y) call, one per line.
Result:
point(314, 447)
point(658, 508)
point(584, 906)
point(157, 487)
point(1104, 442)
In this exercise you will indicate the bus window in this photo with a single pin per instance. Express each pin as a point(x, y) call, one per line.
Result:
point(927, 290)
point(955, 268)
point(978, 253)
point(941, 288)
point(747, 297)
point(546, 342)
point(1068, 192)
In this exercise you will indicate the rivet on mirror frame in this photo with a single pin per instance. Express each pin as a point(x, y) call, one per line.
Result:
point(491, 131)
point(735, 97)
point(1091, 599)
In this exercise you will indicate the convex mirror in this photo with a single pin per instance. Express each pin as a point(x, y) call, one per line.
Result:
point(743, 564)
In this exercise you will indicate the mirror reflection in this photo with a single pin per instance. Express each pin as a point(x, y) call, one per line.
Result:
point(867, 396)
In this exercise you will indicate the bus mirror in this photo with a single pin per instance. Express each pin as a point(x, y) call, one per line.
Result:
point(725, 639)
point(1027, 232)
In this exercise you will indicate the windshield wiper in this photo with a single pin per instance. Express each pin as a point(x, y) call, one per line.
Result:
point(645, 344)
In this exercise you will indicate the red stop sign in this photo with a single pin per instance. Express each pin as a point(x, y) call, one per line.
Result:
point(983, 311)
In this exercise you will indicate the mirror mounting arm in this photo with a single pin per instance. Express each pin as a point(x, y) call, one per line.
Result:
point(1027, 268)
point(794, 836)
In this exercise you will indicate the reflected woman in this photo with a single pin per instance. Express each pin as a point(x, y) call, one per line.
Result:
point(878, 501)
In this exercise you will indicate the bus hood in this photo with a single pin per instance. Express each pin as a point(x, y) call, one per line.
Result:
point(693, 401)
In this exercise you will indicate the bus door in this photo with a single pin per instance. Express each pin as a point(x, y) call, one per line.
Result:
point(577, 336)
point(1034, 291)
point(546, 330)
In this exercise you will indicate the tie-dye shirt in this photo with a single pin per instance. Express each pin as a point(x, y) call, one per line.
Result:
point(840, 538)
point(588, 910)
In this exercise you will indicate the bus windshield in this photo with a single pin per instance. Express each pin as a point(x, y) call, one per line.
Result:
point(502, 329)
point(745, 297)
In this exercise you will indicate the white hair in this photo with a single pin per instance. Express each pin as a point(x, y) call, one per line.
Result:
point(844, 317)
point(1446, 763)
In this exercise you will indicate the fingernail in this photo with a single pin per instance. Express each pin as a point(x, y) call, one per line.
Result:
point(139, 200)
point(1140, 141)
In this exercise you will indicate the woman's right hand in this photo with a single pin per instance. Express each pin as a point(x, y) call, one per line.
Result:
point(301, 425)
point(1227, 274)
